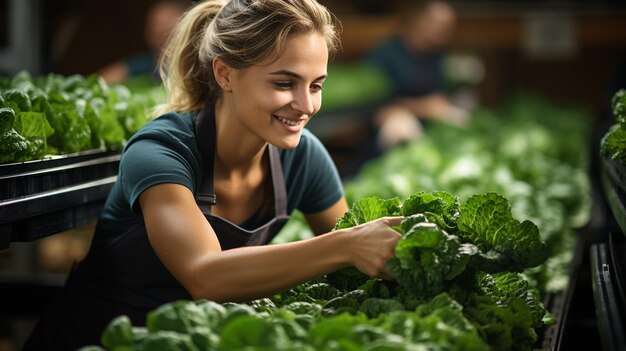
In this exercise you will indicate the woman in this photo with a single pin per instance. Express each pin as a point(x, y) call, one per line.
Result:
point(161, 18)
point(413, 60)
point(200, 191)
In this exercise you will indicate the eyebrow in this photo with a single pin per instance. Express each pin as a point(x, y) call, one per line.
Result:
point(294, 74)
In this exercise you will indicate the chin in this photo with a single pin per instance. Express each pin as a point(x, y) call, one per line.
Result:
point(287, 143)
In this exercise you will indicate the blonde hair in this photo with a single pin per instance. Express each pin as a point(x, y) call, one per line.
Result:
point(240, 32)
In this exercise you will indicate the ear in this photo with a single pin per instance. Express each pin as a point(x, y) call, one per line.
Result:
point(222, 73)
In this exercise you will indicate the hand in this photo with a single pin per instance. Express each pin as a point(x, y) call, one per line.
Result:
point(435, 106)
point(372, 244)
point(428, 106)
point(397, 125)
point(456, 116)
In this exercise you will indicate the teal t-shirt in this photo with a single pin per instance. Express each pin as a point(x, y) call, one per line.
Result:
point(165, 151)
point(144, 64)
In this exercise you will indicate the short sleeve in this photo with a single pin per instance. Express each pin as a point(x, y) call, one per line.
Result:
point(142, 64)
point(323, 187)
point(147, 163)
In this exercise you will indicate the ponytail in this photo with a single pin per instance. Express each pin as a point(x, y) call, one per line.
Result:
point(188, 79)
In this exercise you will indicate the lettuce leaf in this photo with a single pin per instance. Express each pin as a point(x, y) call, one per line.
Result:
point(368, 209)
point(427, 257)
point(486, 221)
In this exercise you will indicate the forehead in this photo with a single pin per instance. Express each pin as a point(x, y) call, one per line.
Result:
point(305, 54)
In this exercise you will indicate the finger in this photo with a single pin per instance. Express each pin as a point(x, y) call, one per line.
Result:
point(393, 221)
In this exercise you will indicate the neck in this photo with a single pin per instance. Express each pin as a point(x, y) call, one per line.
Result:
point(238, 151)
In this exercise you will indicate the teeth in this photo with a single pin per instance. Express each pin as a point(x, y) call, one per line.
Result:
point(286, 121)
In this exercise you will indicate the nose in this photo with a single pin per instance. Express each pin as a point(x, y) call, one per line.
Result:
point(304, 102)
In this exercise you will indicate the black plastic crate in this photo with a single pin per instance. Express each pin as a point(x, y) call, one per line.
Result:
point(609, 309)
point(561, 305)
point(614, 188)
point(44, 197)
point(32, 177)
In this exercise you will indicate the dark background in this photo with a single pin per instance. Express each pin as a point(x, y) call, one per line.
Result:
point(83, 36)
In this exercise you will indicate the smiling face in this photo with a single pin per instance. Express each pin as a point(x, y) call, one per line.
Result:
point(432, 28)
point(275, 99)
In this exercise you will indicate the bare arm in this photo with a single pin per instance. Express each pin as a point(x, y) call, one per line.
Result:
point(185, 242)
point(324, 221)
point(114, 73)
point(434, 105)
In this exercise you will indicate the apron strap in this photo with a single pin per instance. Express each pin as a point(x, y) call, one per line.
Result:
point(278, 180)
point(205, 123)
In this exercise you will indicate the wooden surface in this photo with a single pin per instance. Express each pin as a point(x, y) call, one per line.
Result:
point(498, 39)
point(488, 30)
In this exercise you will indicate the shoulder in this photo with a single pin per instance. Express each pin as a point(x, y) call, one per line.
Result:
point(390, 54)
point(170, 128)
point(163, 151)
point(141, 64)
point(312, 180)
point(168, 136)
point(393, 44)
point(141, 58)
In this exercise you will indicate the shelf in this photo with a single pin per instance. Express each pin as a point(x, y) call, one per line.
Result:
point(45, 197)
point(560, 304)
point(614, 187)
point(608, 261)
point(609, 312)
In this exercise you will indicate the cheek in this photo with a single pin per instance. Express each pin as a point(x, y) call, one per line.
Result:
point(256, 100)
point(317, 102)
point(264, 99)
point(280, 98)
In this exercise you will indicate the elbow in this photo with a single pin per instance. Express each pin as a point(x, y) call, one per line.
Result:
point(206, 292)
point(201, 285)
point(196, 291)
point(197, 285)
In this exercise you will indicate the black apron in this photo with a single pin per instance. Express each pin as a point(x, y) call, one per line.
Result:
point(127, 278)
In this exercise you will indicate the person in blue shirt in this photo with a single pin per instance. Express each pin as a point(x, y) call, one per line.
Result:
point(161, 18)
point(413, 60)
point(205, 186)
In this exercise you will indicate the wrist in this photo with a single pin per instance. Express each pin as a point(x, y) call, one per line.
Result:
point(339, 244)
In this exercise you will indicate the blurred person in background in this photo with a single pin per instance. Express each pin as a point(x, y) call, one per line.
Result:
point(161, 18)
point(413, 60)
point(203, 188)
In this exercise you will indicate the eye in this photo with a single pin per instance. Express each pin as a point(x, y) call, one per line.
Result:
point(317, 87)
point(284, 85)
